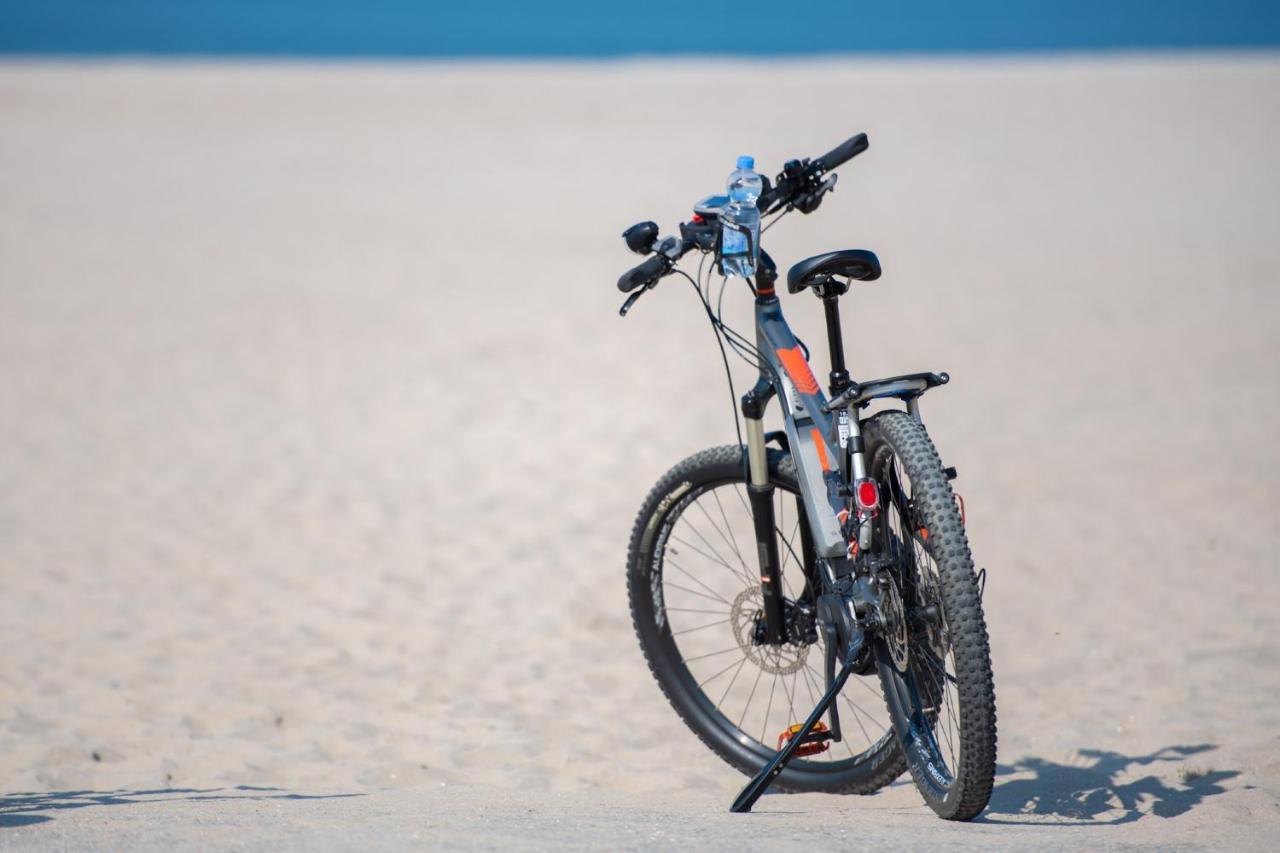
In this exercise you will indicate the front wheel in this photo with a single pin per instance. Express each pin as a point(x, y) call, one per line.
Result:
point(694, 583)
point(936, 673)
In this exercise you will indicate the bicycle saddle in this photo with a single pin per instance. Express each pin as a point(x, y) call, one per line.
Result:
point(853, 263)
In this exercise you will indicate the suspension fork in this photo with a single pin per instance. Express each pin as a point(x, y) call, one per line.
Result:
point(760, 494)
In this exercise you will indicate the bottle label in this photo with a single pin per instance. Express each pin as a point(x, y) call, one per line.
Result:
point(733, 242)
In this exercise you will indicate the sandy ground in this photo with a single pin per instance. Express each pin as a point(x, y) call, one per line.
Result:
point(322, 440)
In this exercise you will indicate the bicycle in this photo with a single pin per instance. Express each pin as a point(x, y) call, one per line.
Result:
point(883, 583)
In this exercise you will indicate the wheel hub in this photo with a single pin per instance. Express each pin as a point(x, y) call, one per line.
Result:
point(934, 627)
point(893, 620)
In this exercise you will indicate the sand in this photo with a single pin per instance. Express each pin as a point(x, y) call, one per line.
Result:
point(322, 439)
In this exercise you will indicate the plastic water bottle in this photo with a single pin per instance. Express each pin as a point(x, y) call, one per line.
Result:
point(738, 251)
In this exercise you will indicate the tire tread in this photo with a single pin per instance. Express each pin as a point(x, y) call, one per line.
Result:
point(962, 602)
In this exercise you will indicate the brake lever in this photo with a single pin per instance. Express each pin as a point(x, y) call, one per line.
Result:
point(633, 298)
point(809, 202)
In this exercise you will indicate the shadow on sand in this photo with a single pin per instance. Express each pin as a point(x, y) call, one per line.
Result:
point(1091, 793)
point(23, 809)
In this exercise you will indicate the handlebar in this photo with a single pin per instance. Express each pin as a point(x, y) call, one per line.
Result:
point(646, 272)
point(800, 186)
point(842, 153)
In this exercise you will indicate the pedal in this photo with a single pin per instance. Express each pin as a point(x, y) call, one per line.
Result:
point(814, 743)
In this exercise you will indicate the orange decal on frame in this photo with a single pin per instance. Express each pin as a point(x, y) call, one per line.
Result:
point(821, 447)
point(798, 369)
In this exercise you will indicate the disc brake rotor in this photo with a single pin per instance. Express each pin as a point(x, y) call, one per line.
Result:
point(775, 660)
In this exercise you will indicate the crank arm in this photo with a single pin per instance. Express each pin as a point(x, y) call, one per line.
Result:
point(830, 640)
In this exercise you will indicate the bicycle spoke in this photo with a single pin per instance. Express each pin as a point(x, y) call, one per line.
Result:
point(946, 712)
point(717, 596)
point(712, 654)
point(779, 517)
point(941, 670)
point(790, 553)
point(790, 694)
point(699, 628)
point(809, 684)
point(738, 663)
point(729, 527)
point(862, 713)
point(752, 695)
point(667, 582)
point(946, 731)
point(732, 681)
point(952, 716)
point(867, 687)
point(746, 574)
point(698, 550)
point(764, 727)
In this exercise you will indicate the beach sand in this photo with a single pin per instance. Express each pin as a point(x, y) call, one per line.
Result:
point(322, 438)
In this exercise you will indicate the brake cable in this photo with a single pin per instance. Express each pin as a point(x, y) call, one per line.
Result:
point(775, 217)
point(724, 357)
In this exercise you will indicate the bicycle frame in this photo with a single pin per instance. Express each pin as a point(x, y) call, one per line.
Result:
point(824, 457)
point(825, 443)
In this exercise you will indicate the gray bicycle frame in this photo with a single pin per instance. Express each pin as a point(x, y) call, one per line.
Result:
point(811, 432)
point(824, 438)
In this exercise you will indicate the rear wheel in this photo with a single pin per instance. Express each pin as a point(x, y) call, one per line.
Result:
point(693, 581)
point(939, 688)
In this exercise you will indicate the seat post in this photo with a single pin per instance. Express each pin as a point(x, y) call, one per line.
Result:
point(830, 293)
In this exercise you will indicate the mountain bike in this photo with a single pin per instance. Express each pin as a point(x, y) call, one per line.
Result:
point(824, 565)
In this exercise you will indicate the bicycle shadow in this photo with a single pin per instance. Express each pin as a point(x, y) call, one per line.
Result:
point(1092, 793)
point(24, 809)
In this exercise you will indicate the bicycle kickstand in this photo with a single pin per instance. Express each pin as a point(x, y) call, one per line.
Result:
point(757, 786)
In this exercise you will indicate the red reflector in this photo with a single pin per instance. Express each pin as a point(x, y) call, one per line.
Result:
point(698, 220)
point(868, 494)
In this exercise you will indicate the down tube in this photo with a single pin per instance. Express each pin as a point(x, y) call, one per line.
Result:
point(808, 428)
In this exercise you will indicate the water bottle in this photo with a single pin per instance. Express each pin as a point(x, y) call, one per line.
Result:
point(740, 220)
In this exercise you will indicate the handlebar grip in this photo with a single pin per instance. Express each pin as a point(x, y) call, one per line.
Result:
point(843, 152)
point(644, 273)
